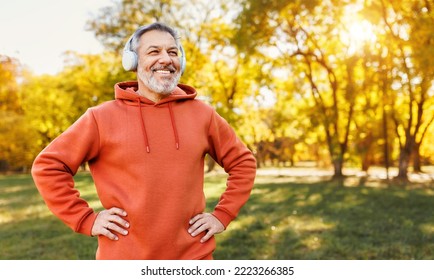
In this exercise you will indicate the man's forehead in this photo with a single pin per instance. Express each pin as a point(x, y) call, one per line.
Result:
point(157, 38)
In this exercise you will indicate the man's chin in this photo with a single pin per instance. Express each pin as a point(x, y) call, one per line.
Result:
point(161, 86)
point(163, 90)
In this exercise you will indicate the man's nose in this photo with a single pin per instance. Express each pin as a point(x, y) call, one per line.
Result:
point(165, 58)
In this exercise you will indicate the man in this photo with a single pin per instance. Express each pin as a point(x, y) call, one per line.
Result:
point(146, 152)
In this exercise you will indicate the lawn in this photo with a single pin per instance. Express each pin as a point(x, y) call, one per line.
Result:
point(287, 217)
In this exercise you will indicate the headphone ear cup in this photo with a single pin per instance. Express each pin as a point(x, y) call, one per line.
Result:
point(129, 60)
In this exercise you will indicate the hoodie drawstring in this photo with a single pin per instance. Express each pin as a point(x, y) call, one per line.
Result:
point(175, 131)
point(172, 119)
point(143, 126)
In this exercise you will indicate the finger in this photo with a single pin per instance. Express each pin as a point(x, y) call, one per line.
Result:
point(200, 229)
point(114, 227)
point(109, 234)
point(207, 236)
point(117, 211)
point(196, 225)
point(118, 220)
point(196, 218)
point(104, 218)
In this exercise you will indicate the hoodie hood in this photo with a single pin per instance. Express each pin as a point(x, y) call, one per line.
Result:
point(126, 92)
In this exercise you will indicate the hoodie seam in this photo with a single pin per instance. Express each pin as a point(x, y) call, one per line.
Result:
point(210, 144)
point(210, 123)
point(97, 129)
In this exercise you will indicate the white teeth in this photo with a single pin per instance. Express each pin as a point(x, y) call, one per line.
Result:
point(163, 71)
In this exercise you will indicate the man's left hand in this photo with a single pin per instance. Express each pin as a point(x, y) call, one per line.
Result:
point(205, 222)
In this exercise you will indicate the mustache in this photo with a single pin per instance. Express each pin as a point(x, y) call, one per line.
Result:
point(168, 68)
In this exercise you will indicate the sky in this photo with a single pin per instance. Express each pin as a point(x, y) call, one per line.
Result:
point(38, 32)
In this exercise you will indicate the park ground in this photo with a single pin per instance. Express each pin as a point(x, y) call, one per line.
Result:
point(293, 213)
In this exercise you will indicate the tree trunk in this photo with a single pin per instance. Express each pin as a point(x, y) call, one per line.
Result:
point(404, 161)
point(417, 166)
point(386, 143)
point(338, 164)
point(366, 161)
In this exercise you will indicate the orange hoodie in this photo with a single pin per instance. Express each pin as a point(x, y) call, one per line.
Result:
point(148, 159)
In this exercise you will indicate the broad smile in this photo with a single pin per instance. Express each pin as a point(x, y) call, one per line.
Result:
point(165, 72)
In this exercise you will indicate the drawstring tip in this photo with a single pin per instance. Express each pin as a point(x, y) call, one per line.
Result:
point(147, 149)
point(177, 146)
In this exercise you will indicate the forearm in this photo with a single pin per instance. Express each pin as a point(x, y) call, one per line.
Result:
point(238, 188)
point(238, 162)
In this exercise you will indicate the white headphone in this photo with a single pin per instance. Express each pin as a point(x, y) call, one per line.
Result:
point(130, 58)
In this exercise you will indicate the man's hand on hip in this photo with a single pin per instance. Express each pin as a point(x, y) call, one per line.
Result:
point(109, 222)
point(205, 222)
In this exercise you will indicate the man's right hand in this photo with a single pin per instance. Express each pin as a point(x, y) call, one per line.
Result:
point(109, 222)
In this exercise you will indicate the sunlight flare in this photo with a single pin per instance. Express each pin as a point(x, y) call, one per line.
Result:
point(357, 31)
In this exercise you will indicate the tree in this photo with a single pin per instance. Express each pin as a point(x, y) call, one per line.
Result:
point(338, 47)
point(341, 58)
point(308, 38)
point(224, 76)
point(52, 103)
point(14, 148)
point(411, 46)
point(17, 146)
point(10, 70)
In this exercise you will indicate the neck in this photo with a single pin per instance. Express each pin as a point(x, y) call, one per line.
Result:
point(153, 96)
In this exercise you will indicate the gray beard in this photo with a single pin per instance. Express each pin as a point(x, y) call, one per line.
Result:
point(165, 88)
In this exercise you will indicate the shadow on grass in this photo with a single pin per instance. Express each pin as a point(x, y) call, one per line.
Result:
point(324, 220)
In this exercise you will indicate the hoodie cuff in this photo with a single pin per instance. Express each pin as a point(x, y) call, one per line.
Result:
point(223, 217)
point(87, 224)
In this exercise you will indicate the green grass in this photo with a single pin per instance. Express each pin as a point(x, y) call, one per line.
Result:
point(285, 218)
point(29, 231)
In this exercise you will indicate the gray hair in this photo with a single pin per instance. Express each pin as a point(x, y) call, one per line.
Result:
point(154, 26)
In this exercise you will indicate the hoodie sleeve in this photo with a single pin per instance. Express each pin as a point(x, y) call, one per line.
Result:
point(238, 161)
point(55, 166)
